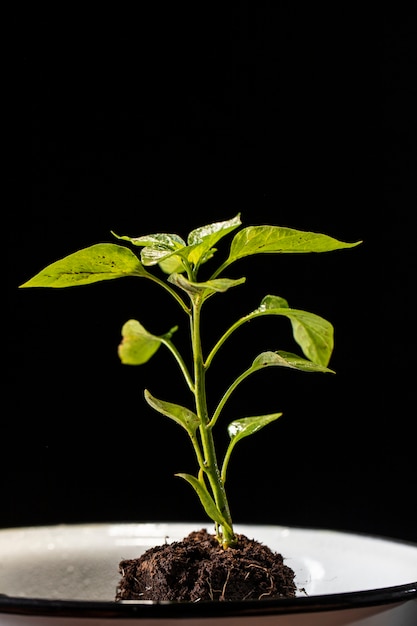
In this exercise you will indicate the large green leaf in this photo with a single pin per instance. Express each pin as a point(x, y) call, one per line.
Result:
point(206, 500)
point(138, 345)
point(181, 415)
point(273, 239)
point(102, 261)
point(313, 333)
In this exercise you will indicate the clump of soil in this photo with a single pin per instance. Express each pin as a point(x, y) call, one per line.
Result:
point(198, 568)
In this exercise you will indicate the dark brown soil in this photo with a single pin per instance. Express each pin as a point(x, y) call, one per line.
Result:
point(198, 568)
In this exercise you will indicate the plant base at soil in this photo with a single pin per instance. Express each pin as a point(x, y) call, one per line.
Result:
point(198, 568)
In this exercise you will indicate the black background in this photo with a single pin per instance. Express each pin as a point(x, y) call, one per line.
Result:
point(166, 119)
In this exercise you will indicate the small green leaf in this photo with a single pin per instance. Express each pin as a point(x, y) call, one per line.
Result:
point(206, 500)
point(276, 239)
point(102, 261)
point(238, 429)
point(201, 240)
point(287, 359)
point(270, 303)
point(156, 247)
point(160, 247)
point(182, 416)
point(138, 345)
point(210, 286)
point(313, 333)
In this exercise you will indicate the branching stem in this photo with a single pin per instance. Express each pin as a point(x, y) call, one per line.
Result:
point(226, 535)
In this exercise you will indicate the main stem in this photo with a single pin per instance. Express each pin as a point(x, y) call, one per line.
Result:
point(226, 537)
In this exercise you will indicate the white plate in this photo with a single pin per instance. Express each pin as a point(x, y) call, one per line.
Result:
point(67, 575)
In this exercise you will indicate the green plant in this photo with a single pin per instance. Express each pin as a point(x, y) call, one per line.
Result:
point(181, 261)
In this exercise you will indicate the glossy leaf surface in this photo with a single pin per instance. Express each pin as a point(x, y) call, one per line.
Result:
point(241, 428)
point(238, 429)
point(287, 359)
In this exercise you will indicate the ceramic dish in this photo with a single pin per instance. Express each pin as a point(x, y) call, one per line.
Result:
point(66, 575)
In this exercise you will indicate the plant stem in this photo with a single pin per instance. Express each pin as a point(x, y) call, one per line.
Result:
point(233, 327)
point(227, 537)
point(171, 291)
point(180, 361)
point(227, 395)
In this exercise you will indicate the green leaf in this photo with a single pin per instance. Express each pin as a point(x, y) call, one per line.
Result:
point(156, 247)
point(161, 247)
point(182, 416)
point(201, 240)
point(276, 239)
point(269, 303)
point(210, 286)
point(138, 345)
point(205, 499)
point(172, 264)
point(313, 333)
point(286, 359)
point(238, 429)
point(102, 261)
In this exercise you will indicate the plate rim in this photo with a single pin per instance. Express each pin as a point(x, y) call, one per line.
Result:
point(192, 610)
point(182, 610)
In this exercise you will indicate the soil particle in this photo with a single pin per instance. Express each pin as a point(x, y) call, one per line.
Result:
point(198, 568)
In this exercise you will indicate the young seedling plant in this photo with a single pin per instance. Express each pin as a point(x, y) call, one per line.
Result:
point(179, 263)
